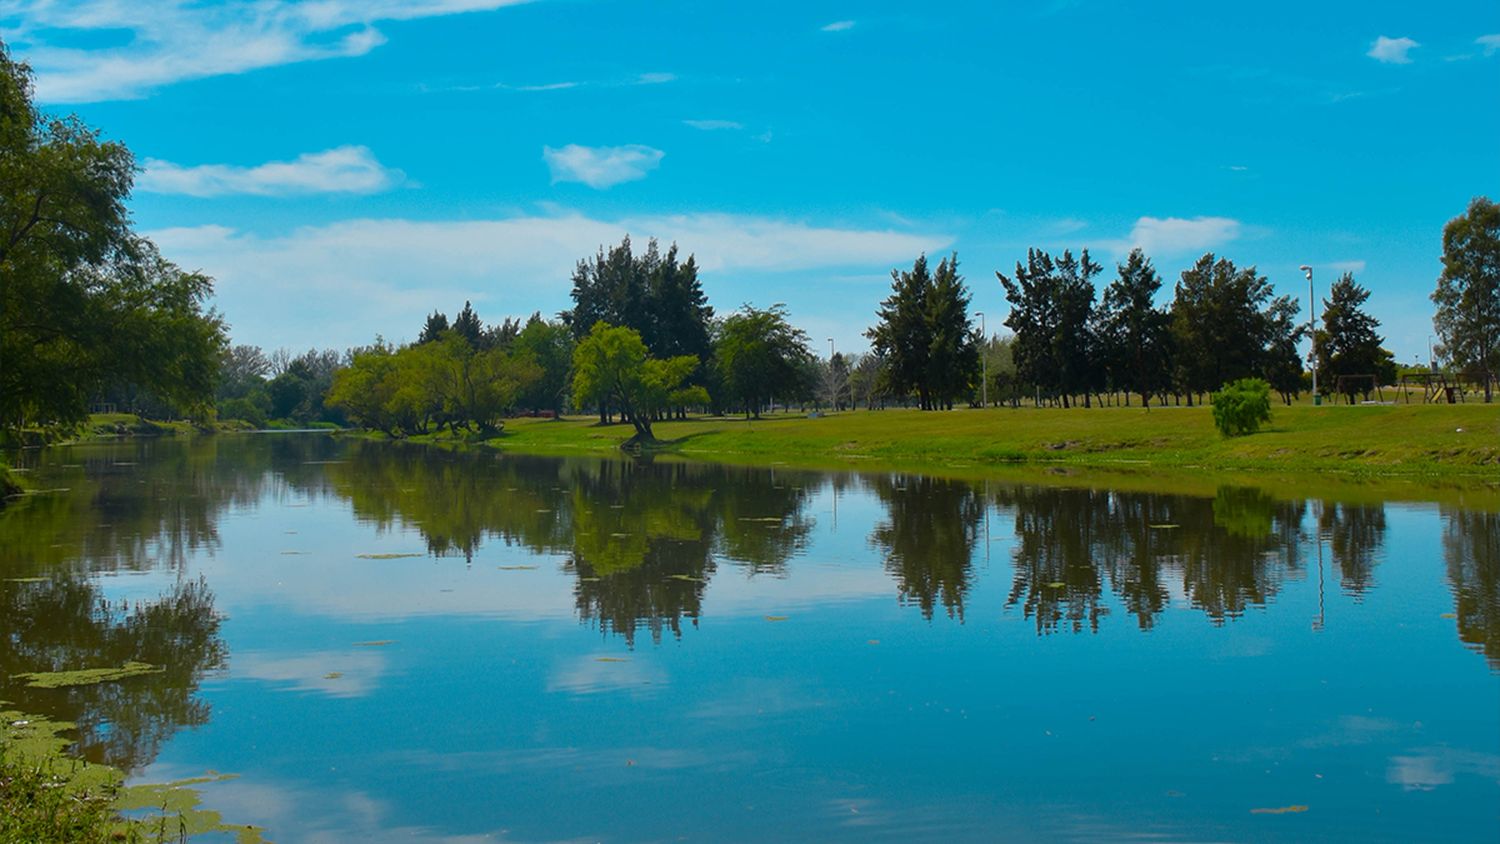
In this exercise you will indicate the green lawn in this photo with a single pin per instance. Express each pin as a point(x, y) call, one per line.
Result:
point(1427, 440)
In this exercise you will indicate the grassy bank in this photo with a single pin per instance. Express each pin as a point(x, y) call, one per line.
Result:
point(1402, 440)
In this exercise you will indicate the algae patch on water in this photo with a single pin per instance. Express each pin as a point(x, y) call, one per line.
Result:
point(87, 676)
point(387, 556)
point(178, 807)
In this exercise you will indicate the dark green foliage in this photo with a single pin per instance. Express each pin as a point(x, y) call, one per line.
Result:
point(657, 295)
point(84, 302)
point(548, 345)
point(1052, 303)
point(468, 325)
point(1224, 321)
point(761, 356)
point(433, 328)
point(1348, 344)
point(925, 337)
point(1242, 407)
point(1134, 335)
point(1468, 293)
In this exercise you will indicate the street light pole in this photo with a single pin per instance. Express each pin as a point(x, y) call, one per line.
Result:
point(1312, 333)
point(984, 360)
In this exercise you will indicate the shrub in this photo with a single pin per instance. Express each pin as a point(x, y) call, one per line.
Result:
point(1242, 406)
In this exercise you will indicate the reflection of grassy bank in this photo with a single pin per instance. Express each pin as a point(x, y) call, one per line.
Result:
point(1415, 451)
point(48, 797)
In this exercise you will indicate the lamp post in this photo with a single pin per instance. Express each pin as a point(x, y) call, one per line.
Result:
point(1312, 333)
point(984, 361)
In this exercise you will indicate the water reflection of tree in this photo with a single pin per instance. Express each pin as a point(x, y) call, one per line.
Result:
point(1355, 534)
point(1228, 553)
point(928, 538)
point(138, 505)
point(64, 624)
point(1471, 549)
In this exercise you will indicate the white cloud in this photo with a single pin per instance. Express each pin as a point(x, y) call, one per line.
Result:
point(711, 125)
point(1392, 50)
point(837, 26)
point(1490, 43)
point(601, 167)
point(655, 78)
point(379, 274)
point(346, 169)
point(1347, 266)
point(181, 39)
point(1176, 235)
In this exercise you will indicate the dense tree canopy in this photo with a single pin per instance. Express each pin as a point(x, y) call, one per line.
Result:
point(1468, 293)
point(1348, 347)
point(1052, 303)
point(925, 336)
point(611, 366)
point(760, 356)
point(1134, 335)
point(84, 301)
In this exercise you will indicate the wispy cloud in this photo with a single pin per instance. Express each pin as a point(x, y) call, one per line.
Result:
point(1392, 50)
point(713, 125)
point(657, 78)
point(601, 167)
point(1490, 43)
point(837, 26)
point(1178, 235)
point(346, 169)
point(180, 40)
point(380, 272)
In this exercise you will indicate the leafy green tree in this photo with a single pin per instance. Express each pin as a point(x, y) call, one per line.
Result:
point(1348, 344)
point(549, 345)
point(433, 328)
point(760, 355)
point(1223, 324)
point(84, 302)
point(1468, 293)
point(1052, 318)
point(612, 366)
point(1134, 334)
point(1242, 407)
point(925, 336)
point(468, 326)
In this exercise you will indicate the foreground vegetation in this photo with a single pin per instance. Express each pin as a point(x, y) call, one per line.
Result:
point(1434, 440)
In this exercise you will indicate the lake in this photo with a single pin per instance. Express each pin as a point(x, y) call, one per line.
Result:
point(390, 642)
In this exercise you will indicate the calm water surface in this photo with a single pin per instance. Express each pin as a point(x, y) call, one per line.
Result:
point(397, 643)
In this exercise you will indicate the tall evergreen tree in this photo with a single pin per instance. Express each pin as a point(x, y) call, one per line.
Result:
point(1033, 319)
point(1468, 293)
point(468, 326)
point(433, 328)
point(1133, 333)
point(1052, 305)
point(1348, 344)
point(900, 338)
point(925, 334)
point(1221, 324)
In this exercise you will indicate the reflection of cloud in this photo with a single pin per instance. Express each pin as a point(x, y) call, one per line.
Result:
point(748, 699)
point(333, 673)
point(592, 674)
point(303, 812)
point(1427, 768)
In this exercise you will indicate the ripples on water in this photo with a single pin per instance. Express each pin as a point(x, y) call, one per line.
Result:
point(407, 643)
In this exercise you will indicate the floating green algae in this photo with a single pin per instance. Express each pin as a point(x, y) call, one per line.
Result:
point(87, 676)
point(177, 807)
point(386, 556)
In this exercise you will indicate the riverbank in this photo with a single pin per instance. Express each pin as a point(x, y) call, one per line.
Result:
point(1430, 441)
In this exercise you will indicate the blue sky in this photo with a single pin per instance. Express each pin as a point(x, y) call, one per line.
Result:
point(342, 167)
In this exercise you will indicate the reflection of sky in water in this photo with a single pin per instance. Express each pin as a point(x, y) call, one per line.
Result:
point(813, 700)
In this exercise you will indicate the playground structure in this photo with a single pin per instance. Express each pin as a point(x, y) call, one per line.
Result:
point(1437, 387)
